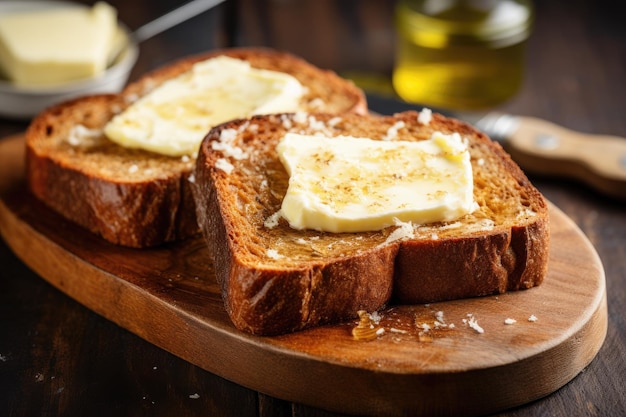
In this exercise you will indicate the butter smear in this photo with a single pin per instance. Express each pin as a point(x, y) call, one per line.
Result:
point(348, 184)
point(174, 117)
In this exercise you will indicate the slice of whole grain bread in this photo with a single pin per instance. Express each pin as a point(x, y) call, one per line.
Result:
point(133, 197)
point(275, 279)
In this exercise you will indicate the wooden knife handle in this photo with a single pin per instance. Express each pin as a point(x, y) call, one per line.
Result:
point(546, 148)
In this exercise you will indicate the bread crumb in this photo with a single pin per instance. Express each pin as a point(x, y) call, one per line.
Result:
point(440, 321)
point(225, 145)
point(532, 318)
point(392, 132)
point(194, 396)
point(273, 253)
point(526, 213)
point(133, 168)
point(403, 231)
point(376, 317)
point(185, 158)
point(191, 178)
point(286, 122)
point(317, 103)
point(394, 330)
point(316, 125)
point(81, 135)
point(272, 221)
point(334, 121)
point(510, 321)
point(473, 323)
point(243, 127)
point(480, 162)
point(425, 116)
point(300, 117)
point(224, 165)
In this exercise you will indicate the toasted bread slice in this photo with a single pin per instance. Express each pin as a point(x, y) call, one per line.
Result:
point(277, 279)
point(133, 197)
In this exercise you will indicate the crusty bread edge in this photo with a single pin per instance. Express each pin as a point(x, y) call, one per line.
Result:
point(512, 259)
point(110, 209)
point(291, 300)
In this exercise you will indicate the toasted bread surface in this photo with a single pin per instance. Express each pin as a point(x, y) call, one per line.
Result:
point(276, 279)
point(133, 197)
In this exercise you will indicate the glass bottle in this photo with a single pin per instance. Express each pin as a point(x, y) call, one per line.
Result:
point(460, 54)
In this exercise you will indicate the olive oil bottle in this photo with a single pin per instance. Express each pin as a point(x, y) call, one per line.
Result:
point(460, 54)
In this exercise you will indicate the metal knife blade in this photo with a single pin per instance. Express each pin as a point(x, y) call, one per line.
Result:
point(544, 148)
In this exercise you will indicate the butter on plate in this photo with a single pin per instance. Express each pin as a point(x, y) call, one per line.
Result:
point(57, 45)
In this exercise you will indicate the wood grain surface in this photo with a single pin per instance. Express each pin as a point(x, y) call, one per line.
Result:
point(59, 358)
point(430, 359)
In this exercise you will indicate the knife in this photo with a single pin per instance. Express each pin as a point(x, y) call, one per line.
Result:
point(542, 147)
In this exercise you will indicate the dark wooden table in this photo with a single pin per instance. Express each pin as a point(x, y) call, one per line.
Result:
point(59, 358)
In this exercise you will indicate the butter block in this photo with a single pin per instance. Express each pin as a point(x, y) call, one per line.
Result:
point(348, 184)
point(174, 117)
point(58, 45)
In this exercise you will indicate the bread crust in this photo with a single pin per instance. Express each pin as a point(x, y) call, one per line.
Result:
point(270, 300)
point(268, 296)
point(140, 212)
point(453, 269)
point(91, 183)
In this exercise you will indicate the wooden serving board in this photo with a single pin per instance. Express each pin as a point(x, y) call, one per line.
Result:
point(169, 297)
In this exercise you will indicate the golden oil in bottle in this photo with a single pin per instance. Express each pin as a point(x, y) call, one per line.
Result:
point(460, 54)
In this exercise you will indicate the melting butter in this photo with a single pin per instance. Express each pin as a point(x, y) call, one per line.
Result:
point(174, 118)
point(348, 184)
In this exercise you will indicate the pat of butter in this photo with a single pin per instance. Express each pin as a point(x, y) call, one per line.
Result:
point(174, 118)
point(58, 45)
point(348, 184)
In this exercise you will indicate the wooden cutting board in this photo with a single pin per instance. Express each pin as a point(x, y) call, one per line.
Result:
point(169, 297)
